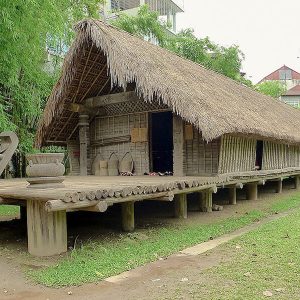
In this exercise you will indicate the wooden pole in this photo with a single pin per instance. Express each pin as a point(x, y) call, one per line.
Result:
point(180, 206)
point(232, 195)
point(128, 216)
point(47, 232)
point(206, 201)
point(251, 191)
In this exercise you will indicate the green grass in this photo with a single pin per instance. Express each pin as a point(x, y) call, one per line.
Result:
point(264, 260)
point(9, 210)
point(98, 260)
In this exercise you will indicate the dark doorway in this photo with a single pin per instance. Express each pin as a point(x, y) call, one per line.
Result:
point(161, 148)
point(259, 155)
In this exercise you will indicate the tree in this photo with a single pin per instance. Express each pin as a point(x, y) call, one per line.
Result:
point(26, 27)
point(271, 88)
point(227, 61)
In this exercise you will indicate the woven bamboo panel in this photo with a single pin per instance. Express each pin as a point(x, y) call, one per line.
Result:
point(131, 107)
point(201, 158)
point(279, 156)
point(112, 127)
point(237, 154)
point(188, 132)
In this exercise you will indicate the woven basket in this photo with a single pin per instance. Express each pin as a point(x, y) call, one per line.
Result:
point(126, 164)
point(113, 165)
point(100, 166)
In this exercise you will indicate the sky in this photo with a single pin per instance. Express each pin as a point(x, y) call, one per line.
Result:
point(267, 31)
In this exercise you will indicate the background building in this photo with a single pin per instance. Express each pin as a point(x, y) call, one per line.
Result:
point(289, 77)
point(167, 9)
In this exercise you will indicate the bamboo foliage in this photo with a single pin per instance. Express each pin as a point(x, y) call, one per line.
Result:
point(237, 154)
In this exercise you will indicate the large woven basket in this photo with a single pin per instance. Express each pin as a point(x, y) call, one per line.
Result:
point(126, 164)
point(113, 165)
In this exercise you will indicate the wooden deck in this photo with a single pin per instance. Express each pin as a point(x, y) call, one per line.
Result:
point(46, 208)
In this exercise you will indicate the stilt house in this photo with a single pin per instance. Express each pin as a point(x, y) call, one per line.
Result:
point(119, 94)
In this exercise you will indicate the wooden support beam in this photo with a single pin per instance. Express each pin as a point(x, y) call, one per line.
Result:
point(128, 216)
point(232, 195)
point(111, 99)
point(47, 232)
point(238, 185)
point(181, 206)
point(251, 191)
point(206, 201)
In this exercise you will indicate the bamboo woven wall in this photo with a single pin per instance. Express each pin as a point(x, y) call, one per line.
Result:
point(279, 156)
point(237, 154)
point(201, 158)
point(112, 134)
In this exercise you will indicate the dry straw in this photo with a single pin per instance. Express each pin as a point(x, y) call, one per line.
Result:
point(215, 104)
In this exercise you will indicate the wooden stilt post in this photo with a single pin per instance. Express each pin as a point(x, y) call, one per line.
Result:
point(47, 232)
point(297, 182)
point(206, 201)
point(128, 216)
point(232, 195)
point(251, 191)
point(180, 206)
point(279, 186)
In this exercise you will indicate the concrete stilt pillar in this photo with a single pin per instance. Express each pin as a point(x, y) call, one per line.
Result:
point(206, 201)
point(279, 186)
point(180, 206)
point(128, 216)
point(47, 231)
point(251, 191)
point(232, 195)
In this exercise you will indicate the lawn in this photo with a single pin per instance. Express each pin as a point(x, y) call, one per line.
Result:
point(263, 264)
point(97, 260)
point(9, 210)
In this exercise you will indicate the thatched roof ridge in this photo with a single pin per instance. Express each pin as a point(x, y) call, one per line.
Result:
point(215, 104)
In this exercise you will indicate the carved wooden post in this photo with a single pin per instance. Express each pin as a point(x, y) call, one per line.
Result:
point(251, 191)
point(178, 142)
point(83, 140)
point(47, 232)
point(232, 195)
point(206, 201)
point(180, 206)
point(128, 216)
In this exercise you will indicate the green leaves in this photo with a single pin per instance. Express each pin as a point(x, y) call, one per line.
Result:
point(271, 88)
point(26, 75)
point(227, 61)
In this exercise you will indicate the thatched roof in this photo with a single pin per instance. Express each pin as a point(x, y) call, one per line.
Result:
point(103, 56)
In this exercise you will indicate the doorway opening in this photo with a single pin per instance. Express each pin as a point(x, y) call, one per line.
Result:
point(161, 148)
point(259, 155)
